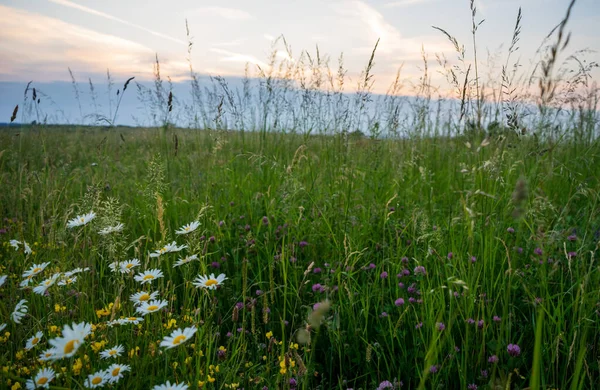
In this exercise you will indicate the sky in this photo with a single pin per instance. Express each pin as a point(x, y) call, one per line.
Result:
point(41, 39)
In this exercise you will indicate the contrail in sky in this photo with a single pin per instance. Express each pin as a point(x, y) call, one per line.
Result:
point(70, 4)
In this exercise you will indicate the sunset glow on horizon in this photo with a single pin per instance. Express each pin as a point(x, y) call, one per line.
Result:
point(41, 39)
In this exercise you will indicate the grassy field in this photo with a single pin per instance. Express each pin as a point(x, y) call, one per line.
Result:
point(463, 262)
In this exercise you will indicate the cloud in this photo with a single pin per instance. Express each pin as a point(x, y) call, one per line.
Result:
point(370, 25)
point(91, 11)
point(41, 48)
point(405, 3)
point(222, 12)
point(235, 42)
point(229, 56)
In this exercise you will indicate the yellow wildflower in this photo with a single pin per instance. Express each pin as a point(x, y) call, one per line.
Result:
point(172, 322)
point(77, 366)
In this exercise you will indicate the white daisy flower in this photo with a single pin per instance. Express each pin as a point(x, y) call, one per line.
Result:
point(15, 244)
point(113, 352)
point(188, 228)
point(185, 260)
point(111, 229)
point(148, 276)
point(25, 282)
point(178, 337)
point(131, 320)
point(3, 279)
point(72, 338)
point(67, 281)
point(114, 266)
point(48, 355)
point(209, 282)
point(81, 220)
point(172, 247)
point(151, 307)
point(20, 311)
point(97, 379)
point(34, 341)
point(115, 372)
point(168, 386)
point(142, 296)
point(46, 284)
point(35, 270)
point(42, 379)
point(128, 265)
point(75, 271)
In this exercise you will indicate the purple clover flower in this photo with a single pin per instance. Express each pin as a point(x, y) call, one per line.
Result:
point(399, 302)
point(420, 270)
point(385, 385)
point(513, 350)
point(493, 359)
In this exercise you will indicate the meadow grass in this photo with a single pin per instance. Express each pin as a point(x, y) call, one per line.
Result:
point(454, 247)
point(429, 257)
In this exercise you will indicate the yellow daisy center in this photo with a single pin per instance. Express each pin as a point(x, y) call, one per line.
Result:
point(211, 282)
point(132, 318)
point(36, 270)
point(42, 381)
point(35, 341)
point(187, 228)
point(179, 339)
point(82, 219)
point(144, 297)
point(129, 265)
point(152, 308)
point(112, 352)
point(96, 380)
point(148, 277)
point(116, 371)
point(70, 346)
